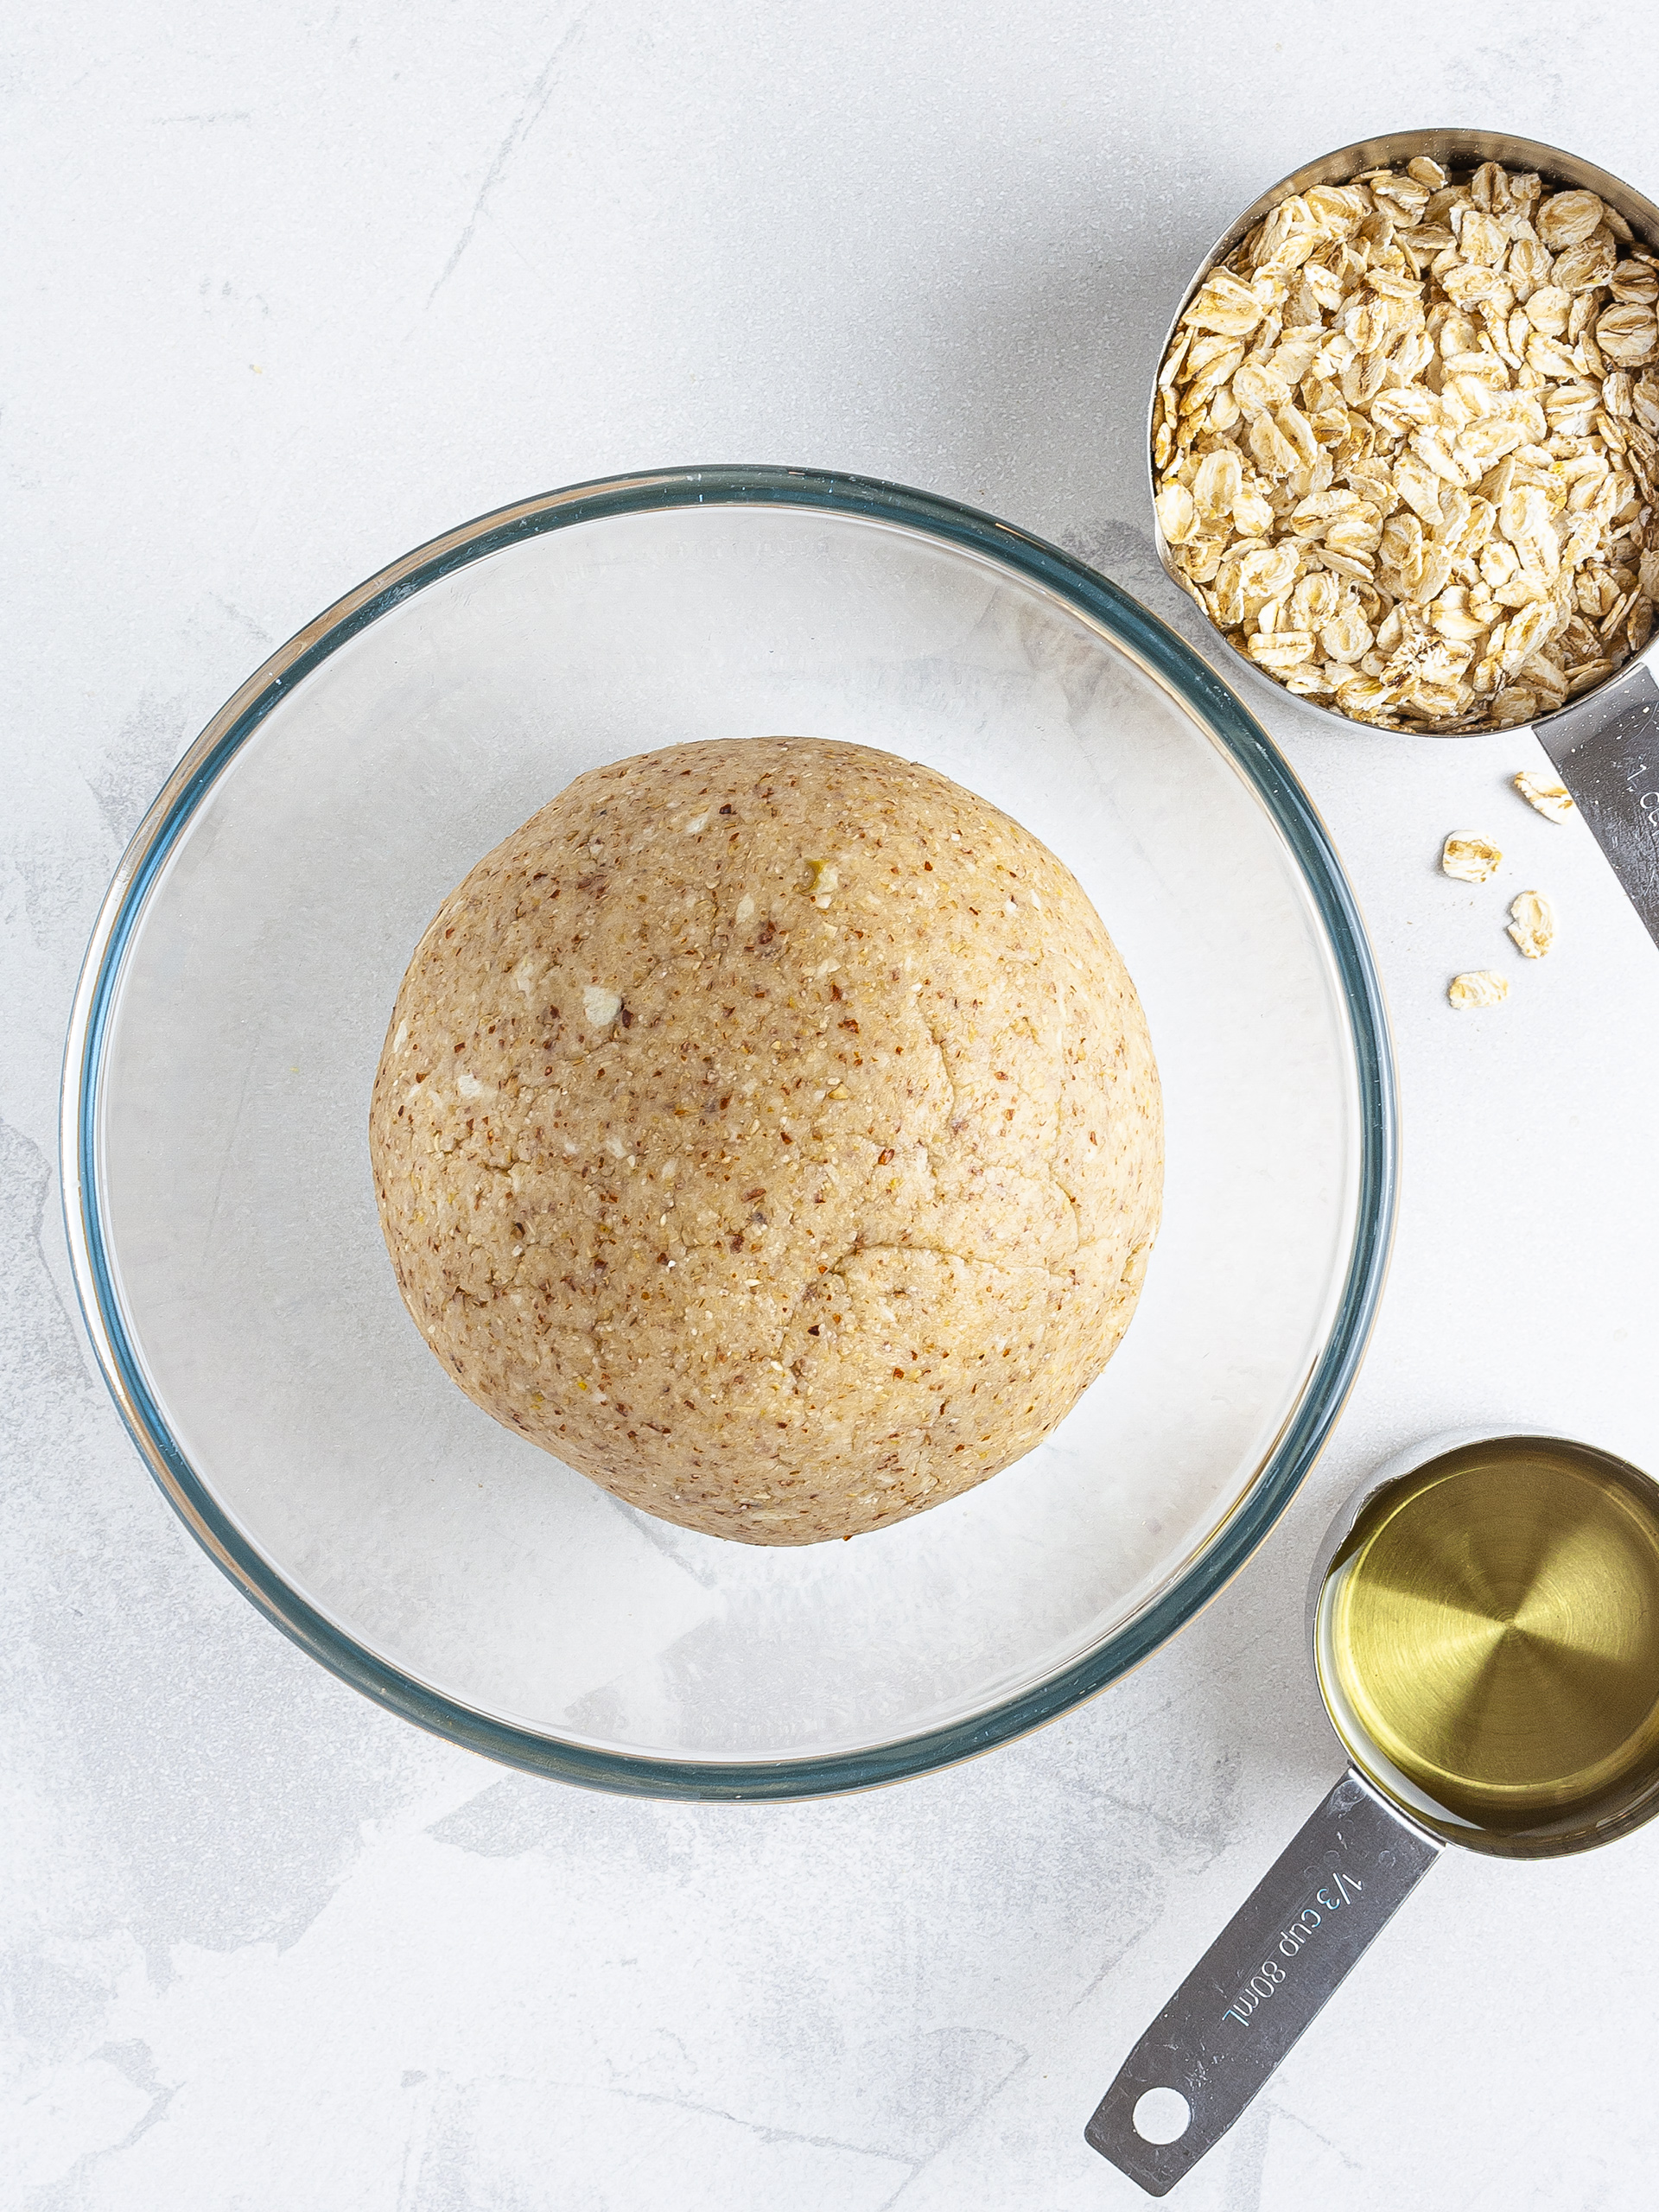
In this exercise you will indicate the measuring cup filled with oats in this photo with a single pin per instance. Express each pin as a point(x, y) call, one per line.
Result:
point(1404, 450)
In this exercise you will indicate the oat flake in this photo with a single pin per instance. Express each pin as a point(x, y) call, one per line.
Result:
point(1481, 987)
point(1469, 858)
point(1532, 924)
point(1552, 800)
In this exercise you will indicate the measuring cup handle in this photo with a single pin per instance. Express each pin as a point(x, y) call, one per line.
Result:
point(1254, 1990)
point(1606, 749)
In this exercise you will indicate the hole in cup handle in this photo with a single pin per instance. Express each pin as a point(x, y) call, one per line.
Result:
point(1605, 748)
point(1259, 1985)
point(1161, 2116)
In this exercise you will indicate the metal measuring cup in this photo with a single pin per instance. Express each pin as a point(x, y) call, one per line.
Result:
point(1605, 744)
point(1571, 1758)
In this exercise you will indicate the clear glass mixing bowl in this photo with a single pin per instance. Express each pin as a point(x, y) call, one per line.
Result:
point(232, 1008)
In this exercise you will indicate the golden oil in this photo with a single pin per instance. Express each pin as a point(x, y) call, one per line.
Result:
point(1488, 1642)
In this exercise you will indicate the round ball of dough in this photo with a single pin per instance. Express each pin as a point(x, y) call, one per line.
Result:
point(769, 1129)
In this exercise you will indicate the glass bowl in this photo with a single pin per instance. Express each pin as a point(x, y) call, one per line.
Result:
point(231, 1011)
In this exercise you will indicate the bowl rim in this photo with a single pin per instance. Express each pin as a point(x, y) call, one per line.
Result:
point(1161, 654)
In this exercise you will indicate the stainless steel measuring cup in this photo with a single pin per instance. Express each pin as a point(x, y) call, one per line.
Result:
point(1605, 743)
point(1484, 1621)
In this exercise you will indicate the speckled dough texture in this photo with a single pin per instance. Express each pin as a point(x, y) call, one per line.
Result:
point(769, 1130)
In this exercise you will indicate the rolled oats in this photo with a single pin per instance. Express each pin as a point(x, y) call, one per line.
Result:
point(1469, 858)
point(1532, 924)
point(1407, 444)
point(1481, 987)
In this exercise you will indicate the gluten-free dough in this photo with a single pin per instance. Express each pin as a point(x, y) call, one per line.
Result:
point(769, 1130)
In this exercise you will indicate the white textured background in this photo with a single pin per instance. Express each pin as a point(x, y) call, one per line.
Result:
point(290, 288)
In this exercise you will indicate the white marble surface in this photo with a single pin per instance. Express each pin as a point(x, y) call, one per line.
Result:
point(293, 289)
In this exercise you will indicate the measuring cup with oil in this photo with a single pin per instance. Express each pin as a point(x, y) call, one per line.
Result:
point(1484, 1618)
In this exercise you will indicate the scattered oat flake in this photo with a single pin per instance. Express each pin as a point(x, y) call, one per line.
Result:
point(1479, 987)
point(1552, 800)
point(1469, 858)
point(1532, 924)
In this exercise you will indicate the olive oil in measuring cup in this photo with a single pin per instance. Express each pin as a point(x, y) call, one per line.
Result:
point(1487, 1640)
point(1485, 1630)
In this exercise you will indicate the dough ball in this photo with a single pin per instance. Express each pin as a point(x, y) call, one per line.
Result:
point(769, 1129)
